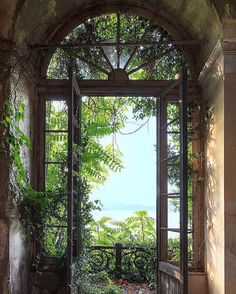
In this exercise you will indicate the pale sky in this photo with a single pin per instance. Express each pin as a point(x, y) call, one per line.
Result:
point(134, 188)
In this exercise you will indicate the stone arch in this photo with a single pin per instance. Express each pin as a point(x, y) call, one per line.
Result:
point(76, 19)
point(48, 22)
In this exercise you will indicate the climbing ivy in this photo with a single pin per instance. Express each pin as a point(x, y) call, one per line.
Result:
point(32, 206)
point(16, 139)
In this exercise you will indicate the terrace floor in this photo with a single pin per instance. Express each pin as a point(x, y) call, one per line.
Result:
point(134, 288)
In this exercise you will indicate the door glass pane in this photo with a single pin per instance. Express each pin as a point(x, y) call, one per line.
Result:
point(174, 213)
point(56, 115)
point(55, 241)
point(173, 178)
point(55, 176)
point(56, 147)
point(174, 248)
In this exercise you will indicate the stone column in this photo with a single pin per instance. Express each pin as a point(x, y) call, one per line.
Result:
point(229, 51)
point(218, 81)
point(6, 52)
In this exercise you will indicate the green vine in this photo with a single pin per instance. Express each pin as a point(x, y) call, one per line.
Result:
point(16, 139)
point(22, 194)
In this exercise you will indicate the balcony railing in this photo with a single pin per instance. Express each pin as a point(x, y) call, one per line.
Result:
point(120, 261)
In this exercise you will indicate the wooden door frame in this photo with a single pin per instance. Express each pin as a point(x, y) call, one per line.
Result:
point(58, 90)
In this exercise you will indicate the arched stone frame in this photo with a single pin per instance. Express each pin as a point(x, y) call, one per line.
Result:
point(161, 19)
point(45, 62)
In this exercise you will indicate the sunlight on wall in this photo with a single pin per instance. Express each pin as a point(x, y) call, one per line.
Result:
point(214, 190)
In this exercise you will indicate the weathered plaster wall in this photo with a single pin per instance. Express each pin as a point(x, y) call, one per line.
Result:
point(5, 54)
point(219, 85)
point(19, 253)
point(23, 89)
point(4, 253)
point(19, 265)
point(7, 12)
point(14, 253)
point(213, 87)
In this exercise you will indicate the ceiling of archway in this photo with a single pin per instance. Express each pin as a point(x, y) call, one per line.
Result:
point(38, 21)
point(12, 11)
point(222, 6)
point(36, 17)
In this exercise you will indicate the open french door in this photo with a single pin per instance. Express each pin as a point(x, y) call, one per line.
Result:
point(74, 238)
point(172, 276)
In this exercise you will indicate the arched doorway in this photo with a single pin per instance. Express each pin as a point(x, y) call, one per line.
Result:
point(109, 60)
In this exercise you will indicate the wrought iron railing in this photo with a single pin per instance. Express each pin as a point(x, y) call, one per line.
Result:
point(122, 261)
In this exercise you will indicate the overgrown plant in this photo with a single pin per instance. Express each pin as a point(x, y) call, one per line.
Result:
point(33, 206)
point(91, 283)
point(15, 140)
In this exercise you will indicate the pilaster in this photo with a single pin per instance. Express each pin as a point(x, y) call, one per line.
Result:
point(229, 52)
point(218, 80)
point(6, 53)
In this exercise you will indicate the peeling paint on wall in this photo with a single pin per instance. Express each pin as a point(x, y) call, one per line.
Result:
point(18, 259)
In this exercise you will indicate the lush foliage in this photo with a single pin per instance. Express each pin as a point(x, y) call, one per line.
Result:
point(16, 138)
point(138, 229)
point(100, 117)
point(97, 62)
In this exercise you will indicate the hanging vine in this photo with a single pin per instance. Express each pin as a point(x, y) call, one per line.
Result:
point(23, 196)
